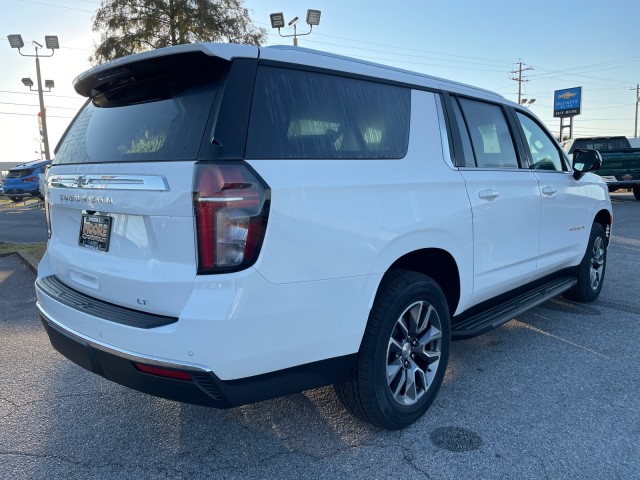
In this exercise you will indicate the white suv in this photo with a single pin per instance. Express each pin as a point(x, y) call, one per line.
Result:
point(231, 223)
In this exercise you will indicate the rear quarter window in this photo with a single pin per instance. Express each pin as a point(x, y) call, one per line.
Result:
point(309, 115)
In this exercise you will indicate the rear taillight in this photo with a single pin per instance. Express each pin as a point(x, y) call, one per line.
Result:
point(29, 179)
point(231, 205)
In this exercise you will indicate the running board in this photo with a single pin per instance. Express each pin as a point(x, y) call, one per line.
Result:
point(499, 314)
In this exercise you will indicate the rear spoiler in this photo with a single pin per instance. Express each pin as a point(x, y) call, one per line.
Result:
point(126, 69)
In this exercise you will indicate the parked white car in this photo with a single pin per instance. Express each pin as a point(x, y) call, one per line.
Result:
point(231, 223)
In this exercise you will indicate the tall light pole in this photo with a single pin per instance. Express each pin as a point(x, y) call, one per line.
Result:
point(637, 89)
point(51, 42)
point(277, 21)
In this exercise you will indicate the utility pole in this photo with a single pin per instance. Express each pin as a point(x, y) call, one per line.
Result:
point(637, 89)
point(519, 78)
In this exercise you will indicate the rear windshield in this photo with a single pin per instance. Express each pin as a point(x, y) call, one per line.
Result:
point(602, 144)
point(155, 119)
point(25, 172)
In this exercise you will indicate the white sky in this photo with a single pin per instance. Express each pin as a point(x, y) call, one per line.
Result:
point(571, 43)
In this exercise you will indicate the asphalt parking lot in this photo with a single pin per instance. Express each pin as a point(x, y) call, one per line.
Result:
point(22, 222)
point(554, 393)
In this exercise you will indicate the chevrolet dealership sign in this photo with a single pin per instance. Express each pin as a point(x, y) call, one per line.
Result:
point(567, 102)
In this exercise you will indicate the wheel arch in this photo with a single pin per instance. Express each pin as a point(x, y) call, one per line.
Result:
point(604, 218)
point(435, 263)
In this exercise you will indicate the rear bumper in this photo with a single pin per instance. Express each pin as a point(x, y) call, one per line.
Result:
point(20, 193)
point(204, 387)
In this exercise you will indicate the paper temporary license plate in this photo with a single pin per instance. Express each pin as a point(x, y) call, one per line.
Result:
point(95, 231)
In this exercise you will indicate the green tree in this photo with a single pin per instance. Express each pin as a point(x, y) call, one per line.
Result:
point(131, 26)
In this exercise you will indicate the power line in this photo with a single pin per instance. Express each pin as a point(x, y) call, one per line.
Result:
point(48, 94)
point(547, 75)
point(403, 48)
point(404, 55)
point(31, 115)
point(37, 106)
point(367, 57)
point(57, 6)
point(575, 70)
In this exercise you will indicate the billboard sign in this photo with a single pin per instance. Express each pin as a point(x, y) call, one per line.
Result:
point(567, 102)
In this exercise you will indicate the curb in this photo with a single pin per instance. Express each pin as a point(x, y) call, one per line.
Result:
point(29, 260)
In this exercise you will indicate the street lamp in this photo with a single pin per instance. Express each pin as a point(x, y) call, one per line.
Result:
point(51, 42)
point(527, 102)
point(48, 84)
point(277, 21)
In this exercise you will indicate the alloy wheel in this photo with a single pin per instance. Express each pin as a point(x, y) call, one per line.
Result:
point(413, 354)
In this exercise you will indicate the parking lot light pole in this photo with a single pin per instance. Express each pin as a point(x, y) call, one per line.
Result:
point(51, 42)
point(637, 89)
point(277, 21)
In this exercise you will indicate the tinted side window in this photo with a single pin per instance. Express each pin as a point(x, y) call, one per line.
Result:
point(490, 135)
point(297, 114)
point(469, 158)
point(544, 153)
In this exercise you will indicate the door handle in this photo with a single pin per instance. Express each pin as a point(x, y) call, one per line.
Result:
point(488, 194)
point(548, 191)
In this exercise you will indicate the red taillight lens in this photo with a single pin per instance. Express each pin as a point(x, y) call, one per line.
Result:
point(162, 372)
point(29, 179)
point(231, 207)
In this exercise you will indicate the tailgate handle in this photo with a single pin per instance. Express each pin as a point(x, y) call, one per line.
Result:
point(84, 279)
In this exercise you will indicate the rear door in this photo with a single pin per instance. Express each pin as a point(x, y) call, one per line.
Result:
point(120, 188)
point(504, 198)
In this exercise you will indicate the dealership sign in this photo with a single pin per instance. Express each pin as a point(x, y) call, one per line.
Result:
point(567, 102)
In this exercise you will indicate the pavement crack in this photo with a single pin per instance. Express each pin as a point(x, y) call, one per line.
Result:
point(13, 404)
point(410, 461)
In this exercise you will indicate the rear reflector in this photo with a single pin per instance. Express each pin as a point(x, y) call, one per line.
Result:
point(162, 372)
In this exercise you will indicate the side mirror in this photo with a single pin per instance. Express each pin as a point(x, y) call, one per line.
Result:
point(585, 160)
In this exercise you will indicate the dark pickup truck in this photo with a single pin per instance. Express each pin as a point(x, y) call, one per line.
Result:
point(620, 163)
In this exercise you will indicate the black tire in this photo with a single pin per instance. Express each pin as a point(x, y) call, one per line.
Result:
point(395, 350)
point(636, 192)
point(592, 268)
point(15, 199)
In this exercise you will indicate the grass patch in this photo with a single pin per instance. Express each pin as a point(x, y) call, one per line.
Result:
point(36, 250)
